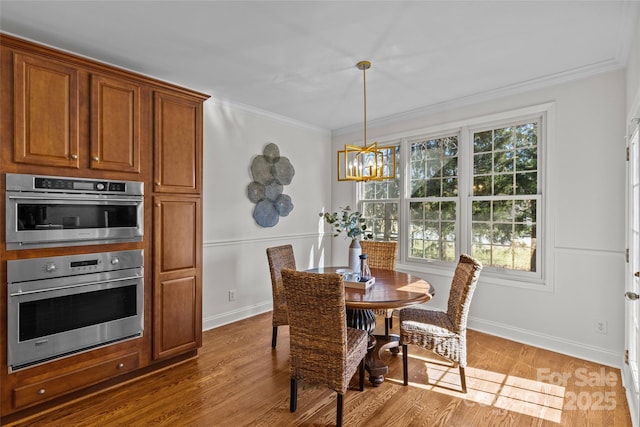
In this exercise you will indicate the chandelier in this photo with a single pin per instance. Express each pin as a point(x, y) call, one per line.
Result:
point(366, 162)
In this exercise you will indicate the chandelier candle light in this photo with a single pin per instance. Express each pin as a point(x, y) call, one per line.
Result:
point(366, 162)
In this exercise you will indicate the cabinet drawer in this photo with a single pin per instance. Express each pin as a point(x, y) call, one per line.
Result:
point(72, 381)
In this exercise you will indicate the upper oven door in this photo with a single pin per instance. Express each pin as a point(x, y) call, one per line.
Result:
point(35, 220)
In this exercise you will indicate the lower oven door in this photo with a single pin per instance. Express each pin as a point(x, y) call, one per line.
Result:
point(52, 318)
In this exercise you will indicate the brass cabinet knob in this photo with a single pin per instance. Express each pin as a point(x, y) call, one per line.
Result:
point(120, 365)
point(74, 156)
point(41, 391)
point(95, 158)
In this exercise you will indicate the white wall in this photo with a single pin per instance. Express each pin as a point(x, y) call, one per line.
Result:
point(234, 245)
point(586, 167)
point(633, 75)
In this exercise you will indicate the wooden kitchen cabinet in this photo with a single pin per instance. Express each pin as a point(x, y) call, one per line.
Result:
point(177, 148)
point(177, 224)
point(115, 124)
point(53, 106)
point(46, 112)
point(177, 275)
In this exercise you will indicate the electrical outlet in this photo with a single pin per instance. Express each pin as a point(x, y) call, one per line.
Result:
point(232, 294)
point(601, 326)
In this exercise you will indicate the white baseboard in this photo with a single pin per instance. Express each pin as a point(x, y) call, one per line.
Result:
point(548, 342)
point(235, 315)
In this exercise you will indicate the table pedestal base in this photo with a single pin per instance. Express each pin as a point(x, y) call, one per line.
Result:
point(366, 320)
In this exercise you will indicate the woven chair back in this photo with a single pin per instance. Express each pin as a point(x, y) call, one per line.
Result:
point(463, 285)
point(380, 254)
point(280, 257)
point(317, 328)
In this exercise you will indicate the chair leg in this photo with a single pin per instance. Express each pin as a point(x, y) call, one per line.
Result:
point(390, 321)
point(405, 363)
point(293, 397)
point(339, 410)
point(387, 326)
point(362, 369)
point(463, 380)
point(274, 337)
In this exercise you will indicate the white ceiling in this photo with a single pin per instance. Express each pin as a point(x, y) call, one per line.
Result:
point(297, 58)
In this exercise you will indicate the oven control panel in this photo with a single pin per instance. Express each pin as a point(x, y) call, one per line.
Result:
point(71, 265)
point(59, 184)
point(72, 184)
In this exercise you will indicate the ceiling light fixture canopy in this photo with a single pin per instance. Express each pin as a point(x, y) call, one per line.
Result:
point(366, 162)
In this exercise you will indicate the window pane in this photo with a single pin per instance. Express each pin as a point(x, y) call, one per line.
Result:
point(434, 187)
point(431, 210)
point(503, 210)
point(503, 139)
point(503, 185)
point(481, 211)
point(450, 167)
point(527, 183)
point(482, 164)
point(503, 161)
point(434, 168)
point(382, 219)
point(527, 135)
point(432, 159)
point(433, 230)
point(448, 211)
point(525, 211)
point(526, 159)
point(482, 141)
point(449, 187)
point(504, 233)
point(481, 185)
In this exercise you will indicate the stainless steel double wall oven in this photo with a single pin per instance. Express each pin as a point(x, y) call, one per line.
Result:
point(62, 305)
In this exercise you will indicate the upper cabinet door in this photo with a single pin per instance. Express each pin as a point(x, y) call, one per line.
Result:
point(46, 112)
point(177, 144)
point(115, 125)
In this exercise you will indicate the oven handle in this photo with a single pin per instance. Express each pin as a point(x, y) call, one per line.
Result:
point(58, 288)
point(84, 198)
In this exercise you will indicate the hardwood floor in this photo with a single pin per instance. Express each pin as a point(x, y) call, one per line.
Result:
point(238, 380)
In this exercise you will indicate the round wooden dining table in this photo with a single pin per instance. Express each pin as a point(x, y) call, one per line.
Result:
point(392, 289)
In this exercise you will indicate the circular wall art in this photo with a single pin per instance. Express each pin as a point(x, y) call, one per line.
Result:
point(270, 173)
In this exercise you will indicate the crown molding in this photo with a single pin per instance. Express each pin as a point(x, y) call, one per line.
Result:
point(269, 115)
point(490, 95)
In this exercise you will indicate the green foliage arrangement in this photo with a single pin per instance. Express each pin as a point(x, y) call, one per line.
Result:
point(352, 223)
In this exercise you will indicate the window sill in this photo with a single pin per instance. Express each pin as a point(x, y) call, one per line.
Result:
point(487, 277)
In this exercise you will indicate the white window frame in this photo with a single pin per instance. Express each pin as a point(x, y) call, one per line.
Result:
point(541, 279)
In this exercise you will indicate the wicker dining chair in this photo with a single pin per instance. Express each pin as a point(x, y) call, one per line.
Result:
point(323, 350)
point(381, 255)
point(279, 257)
point(444, 333)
